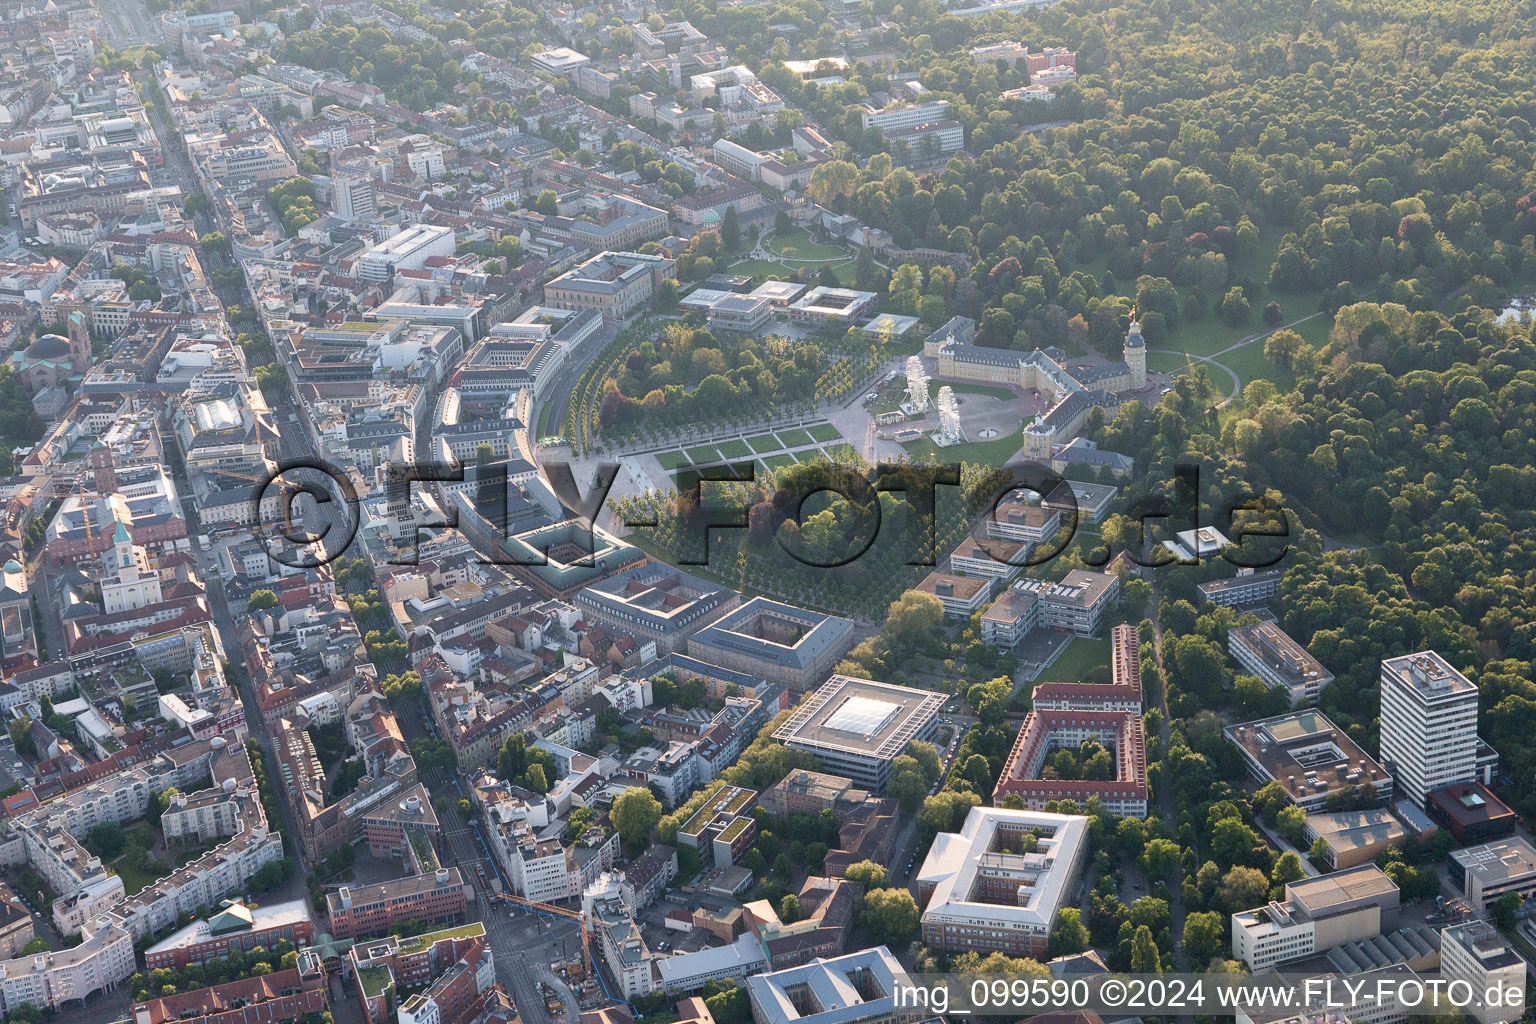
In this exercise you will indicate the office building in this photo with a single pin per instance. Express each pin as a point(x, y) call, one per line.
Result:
point(981, 895)
point(656, 602)
point(1312, 759)
point(961, 596)
point(360, 910)
point(234, 926)
point(823, 307)
point(354, 197)
point(613, 283)
point(808, 792)
point(1477, 954)
point(723, 828)
point(1471, 813)
point(1485, 873)
point(895, 117)
point(859, 988)
point(1023, 522)
point(777, 641)
point(1428, 724)
point(407, 250)
point(1045, 732)
point(1316, 915)
point(1354, 837)
point(858, 726)
point(1247, 587)
point(1264, 650)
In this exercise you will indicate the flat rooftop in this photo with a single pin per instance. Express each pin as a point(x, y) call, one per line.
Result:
point(1317, 895)
point(1492, 863)
point(1429, 674)
point(1305, 753)
point(860, 716)
point(1353, 830)
point(1283, 655)
point(262, 918)
point(957, 860)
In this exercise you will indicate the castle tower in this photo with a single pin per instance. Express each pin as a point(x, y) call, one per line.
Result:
point(1136, 354)
point(1037, 441)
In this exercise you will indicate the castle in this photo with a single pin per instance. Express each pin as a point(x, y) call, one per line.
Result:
point(1072, 396)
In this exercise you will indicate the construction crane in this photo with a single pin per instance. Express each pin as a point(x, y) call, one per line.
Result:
point(554, 911)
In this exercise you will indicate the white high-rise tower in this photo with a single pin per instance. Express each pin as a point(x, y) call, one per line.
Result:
point(1428, 724)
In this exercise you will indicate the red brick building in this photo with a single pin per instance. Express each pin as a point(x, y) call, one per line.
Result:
point(382, 967)
point(269, 999)
point(235, 926)
point(439, 898)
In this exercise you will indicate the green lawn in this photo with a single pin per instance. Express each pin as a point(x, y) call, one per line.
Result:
point(735, 449)
point(703, 453)
point(798, 244)
point(824, 432)
point(135, 880)
point(786, 272)
point(1167, 362)
point(673, 459)
point(1249, 363)
point(812, 455)
point(795, 438)
point(994, 452)
point(1002, 394)
point(763, 269)
point(778, 461)
point(1079, 657)
point(763, 443)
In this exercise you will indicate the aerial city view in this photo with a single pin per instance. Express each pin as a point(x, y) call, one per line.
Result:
point(767, 511)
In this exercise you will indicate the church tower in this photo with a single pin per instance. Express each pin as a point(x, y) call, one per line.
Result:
point(79, 342)
point(1136, 354)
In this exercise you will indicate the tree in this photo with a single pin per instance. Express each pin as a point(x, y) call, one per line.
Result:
point(635, 813)
point(465, 808)
point(1160, 858)
point(1273, 315)
point(891, 914)
point(874, 876)
point(1287, 869)
point(1144, 955)
point(1291, 821)
point(912, 618)
point(535, 780)
point(1243, 888)
point(1281, 347)
point(1203, 935)
point(1504, 911)
point(485, 455)
point(730, 229)
point(789, 908)
point(107, 839)
point(1070, 935)
point(927, 757)
point(38, 945)
point(261, 600)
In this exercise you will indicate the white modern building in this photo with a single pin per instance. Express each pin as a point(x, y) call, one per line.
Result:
point(981, 893)
point(408, 250)
point(1316, 915)
point(1476, 954)
point(1428, 724)
point(1267, 651)
point(905, 116)
point(858, 726)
